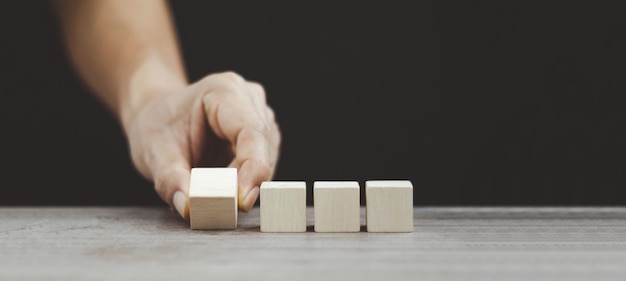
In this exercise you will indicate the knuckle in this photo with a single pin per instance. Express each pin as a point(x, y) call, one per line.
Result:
point(224, 82)
point(257, 87)
point(231, 76)
point(257, 91)
point(271, 115)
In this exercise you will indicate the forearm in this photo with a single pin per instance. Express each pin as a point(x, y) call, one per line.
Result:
point(125, 50)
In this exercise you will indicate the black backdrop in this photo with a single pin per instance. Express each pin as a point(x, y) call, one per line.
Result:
point(477, 102)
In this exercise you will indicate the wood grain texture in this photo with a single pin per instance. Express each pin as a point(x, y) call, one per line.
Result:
point(283, 206)
point(336, 206)
point(213, 198)
point(133, 243)
point(389, 205)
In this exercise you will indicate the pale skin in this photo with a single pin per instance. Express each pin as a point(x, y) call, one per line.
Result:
point(126, 51)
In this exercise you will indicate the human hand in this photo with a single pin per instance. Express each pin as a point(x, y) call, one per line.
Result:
point(221, 120)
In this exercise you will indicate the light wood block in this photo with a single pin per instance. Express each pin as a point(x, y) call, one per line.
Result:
point(389, 206)
point(337, 206)
point(283, 206)
point(213, 198)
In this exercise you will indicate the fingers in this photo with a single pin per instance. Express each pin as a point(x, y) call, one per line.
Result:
point(237, 111)
point(172, 178)
point(243, 128)
point(253, 160)
point(251, 175)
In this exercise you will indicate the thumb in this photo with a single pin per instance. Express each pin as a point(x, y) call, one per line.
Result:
point(172, 184)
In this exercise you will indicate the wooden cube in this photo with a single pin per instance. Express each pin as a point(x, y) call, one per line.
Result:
point(213, 198)
point(337, 206)
point(389, 206)
point(283, 206)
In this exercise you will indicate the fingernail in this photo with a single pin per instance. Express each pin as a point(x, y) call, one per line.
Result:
point(251, 198)
point(180, 200)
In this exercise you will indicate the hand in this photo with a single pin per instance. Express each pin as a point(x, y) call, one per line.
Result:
point(220, 120)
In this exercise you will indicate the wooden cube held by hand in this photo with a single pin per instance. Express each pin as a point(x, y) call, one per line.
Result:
point(213, 198)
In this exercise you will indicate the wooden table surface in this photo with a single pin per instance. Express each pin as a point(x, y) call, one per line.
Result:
point(152, 243)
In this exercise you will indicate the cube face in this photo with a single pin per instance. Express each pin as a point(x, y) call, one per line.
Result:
point(389, 206)
point(213, 213)
point(337, 206)
point(213, 198)
point(283, 206)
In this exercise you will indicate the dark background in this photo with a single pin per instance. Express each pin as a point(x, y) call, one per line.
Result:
point(477, 102)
